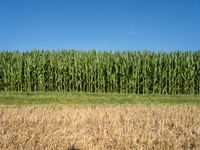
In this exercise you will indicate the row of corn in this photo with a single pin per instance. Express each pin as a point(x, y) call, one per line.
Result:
point(142, 72)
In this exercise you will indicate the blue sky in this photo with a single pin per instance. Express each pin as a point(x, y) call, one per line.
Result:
point(100, 24)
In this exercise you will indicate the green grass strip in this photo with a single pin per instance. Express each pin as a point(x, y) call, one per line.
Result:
point(46, 98)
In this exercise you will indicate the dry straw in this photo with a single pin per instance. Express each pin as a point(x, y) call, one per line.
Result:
point(96, 128)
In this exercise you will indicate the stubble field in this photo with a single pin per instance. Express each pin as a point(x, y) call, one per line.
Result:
point(100, 127)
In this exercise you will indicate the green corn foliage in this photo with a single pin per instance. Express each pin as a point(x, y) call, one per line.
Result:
point(140, 72)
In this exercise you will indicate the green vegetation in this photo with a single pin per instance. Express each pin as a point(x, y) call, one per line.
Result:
point(32, 98)
point(91, 71)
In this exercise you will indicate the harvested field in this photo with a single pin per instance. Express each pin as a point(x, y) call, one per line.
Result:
point(100, 127)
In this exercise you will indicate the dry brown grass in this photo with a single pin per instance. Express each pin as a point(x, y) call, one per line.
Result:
point(101, 127)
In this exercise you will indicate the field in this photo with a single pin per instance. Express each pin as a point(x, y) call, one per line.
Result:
point(100, 127)
point(99, 121)
point(135, 72)
point(99, 100)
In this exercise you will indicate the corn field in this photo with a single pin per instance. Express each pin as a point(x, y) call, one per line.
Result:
point(140, 72)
